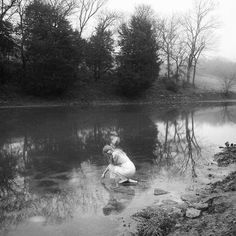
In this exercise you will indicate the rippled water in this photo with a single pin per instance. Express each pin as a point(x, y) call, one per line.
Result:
point(51, 163)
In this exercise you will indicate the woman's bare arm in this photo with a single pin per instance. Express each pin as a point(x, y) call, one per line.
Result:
point(105, 171)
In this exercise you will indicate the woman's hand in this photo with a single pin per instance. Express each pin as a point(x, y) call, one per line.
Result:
point(105, 171)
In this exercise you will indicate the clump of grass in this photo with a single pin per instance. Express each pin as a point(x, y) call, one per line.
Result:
point(8, 168)
point(155, 222)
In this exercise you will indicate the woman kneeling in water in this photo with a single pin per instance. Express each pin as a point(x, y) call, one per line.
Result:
point(120, 165)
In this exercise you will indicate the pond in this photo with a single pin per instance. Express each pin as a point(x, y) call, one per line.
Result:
point(51, 163)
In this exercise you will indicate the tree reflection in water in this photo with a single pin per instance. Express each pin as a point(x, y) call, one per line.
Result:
point(51, 161)
point(79, 192)
point(177, 145)
point(8, 173)
point(227, 114)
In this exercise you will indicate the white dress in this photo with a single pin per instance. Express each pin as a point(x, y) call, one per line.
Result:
point(121, 167)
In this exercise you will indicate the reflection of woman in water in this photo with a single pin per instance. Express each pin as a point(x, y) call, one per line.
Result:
point(120, 166)
point(119, 198)
point(113, 205)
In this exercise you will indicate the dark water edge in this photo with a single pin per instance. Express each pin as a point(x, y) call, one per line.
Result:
point(83, 105)
point(188, 96)
point(56, 167)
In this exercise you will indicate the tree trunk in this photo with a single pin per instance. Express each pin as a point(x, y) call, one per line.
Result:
point(194, 72)
point(166, 136)
point(177, 73)
point(189, 68)
point(168, 66)
point(23, 60)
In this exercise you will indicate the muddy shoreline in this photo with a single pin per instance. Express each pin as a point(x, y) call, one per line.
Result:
point(160, 98)
point(209, 211)
point(97, 104)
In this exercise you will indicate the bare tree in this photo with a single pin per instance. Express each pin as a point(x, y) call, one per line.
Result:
point(198, 27)
point(229, 81)
point(65, 7)
point(7, 42)
point(6, 8)
point(144, 11)
point(172, 44)
point(179, 56)
point(107, 19)
point(168, 31)
point(86, 10)
point(21, 6)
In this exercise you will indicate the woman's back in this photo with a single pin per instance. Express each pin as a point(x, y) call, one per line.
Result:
point(119, 157)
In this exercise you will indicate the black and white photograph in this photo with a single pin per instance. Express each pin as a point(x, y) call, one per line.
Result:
point(117, 118)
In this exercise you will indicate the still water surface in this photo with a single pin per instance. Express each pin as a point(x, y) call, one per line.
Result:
point(51, 163)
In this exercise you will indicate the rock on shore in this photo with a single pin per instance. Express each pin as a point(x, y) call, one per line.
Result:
point(211, 212)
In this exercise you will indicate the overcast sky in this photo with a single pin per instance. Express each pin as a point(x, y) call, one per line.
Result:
point(226, 10)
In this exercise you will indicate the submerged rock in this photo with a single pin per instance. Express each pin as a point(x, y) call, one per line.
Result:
point(47, 183)
point(169, 202)
point(158, 191)
point(190, 198)
point(200, 206)
point(37, 219)
point(193, 213)
point(124, 190)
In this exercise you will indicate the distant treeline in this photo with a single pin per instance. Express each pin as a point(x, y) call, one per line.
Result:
point(219, 67)
point(42, 54)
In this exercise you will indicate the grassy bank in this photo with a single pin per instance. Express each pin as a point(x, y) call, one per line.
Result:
point(102, 93)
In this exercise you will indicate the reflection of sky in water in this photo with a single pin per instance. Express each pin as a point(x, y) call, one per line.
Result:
point(60, 163)
point(216, 134)
point(207, 134)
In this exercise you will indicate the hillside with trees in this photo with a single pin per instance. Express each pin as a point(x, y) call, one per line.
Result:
point(217, 74)
point(44, 53)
